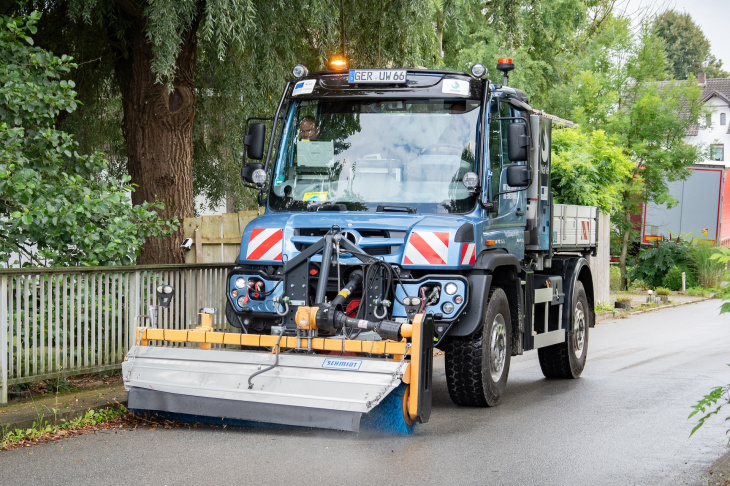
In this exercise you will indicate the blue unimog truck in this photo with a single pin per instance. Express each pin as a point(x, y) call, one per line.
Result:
point(405, 209)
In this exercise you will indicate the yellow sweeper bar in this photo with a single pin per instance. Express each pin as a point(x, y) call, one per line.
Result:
point(204, 338)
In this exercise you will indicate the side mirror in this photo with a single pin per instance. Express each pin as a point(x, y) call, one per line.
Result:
point(518, 175)
point(254, 141)
point(519, 142)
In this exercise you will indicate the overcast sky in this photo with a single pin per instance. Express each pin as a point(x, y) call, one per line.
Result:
point(713, 17)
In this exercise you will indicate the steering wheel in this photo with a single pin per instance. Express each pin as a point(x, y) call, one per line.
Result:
point(442, 149)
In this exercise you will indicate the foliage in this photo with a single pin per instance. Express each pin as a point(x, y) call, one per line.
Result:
point(662, 291)
point(639, 284)
point(710, 405)
point(673, 278)
point(588, 169)
point(655, 262)
point(654, 136)
point(614, 278)
point(708, 270)
point(722, 256)
point(54, 207)
point(688, 50)
point(41, 427)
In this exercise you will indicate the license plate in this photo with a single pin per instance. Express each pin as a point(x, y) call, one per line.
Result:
point(377, 76)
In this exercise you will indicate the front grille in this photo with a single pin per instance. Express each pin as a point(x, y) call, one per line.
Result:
point(365, 235)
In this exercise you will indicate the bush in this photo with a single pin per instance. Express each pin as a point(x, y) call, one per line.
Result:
point(708, 269)
point(673, 279)
point(638, 284)
point(662, 291)
point(655, 262)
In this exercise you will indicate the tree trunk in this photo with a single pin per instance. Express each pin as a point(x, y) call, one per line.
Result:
point(158, 129)
point(625, 238)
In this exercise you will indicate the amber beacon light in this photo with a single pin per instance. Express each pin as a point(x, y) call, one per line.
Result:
point(338, 64)
point(505, 65)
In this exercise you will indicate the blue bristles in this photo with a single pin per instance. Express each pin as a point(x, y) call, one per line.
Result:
point(388, 415)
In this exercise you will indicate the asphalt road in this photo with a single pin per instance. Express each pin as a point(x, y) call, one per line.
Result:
point(623, 422)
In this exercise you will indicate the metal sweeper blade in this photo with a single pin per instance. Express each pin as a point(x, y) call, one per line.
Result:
point(322, 391)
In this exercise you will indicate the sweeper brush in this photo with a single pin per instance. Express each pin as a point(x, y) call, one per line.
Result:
point(318, 367)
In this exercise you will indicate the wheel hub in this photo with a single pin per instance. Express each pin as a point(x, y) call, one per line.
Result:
point(579, 330)
point(498, 348)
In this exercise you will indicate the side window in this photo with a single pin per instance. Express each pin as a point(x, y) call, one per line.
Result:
point(497, 143)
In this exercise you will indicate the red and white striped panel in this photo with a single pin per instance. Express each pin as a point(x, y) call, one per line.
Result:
point(265, 244)
point(468, 254)
point(427, 248)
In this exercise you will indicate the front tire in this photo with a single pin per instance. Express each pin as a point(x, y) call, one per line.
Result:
point(567, 359)
point(477, 366)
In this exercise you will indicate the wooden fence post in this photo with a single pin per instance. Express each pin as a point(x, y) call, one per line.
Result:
point(134, 308)
point(3, 339)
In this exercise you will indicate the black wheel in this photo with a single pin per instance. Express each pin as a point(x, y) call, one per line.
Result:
point(477, 366)
point(567, 359)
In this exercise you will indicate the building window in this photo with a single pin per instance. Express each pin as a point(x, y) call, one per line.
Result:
point(708, 120)
point(722, 118)
point(717, 152)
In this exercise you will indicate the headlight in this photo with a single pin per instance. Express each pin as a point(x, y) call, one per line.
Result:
point(478, 70)
point(448, 307)
point(299, 71)
point(240, 282)
point(241, 302)
point(258, 176)
point(450, 288)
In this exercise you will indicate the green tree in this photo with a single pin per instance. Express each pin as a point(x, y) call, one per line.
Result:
point(647, 125)
point(193, 70)
point(688, 50)
point(588, 168)
point(54, 209)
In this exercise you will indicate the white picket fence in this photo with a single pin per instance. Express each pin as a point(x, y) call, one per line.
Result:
point(60, 322)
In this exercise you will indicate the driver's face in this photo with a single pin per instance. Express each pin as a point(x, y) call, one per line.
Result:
point(307, 130)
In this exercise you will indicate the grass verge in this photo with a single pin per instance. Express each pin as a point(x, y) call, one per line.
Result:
point(43, 431)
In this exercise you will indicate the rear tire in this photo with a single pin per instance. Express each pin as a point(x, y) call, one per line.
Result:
point(567, 359)
point(477, 366)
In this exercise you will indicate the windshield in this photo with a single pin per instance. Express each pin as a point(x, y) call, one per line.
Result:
point(406, 155)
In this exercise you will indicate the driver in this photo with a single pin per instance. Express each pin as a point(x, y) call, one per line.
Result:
point(308, 129)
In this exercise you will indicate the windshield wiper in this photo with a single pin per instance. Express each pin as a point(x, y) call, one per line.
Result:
point(326, 206)
point(395, 209)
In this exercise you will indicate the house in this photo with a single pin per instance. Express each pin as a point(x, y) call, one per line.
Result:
point(714, 133)
point(704, 198)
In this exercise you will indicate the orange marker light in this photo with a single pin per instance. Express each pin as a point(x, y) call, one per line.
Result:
point(491, 242)
point(338, 64)
point(505, 60)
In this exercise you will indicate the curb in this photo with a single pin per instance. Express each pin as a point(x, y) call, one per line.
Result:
point(615, 314)
point(56, 409)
